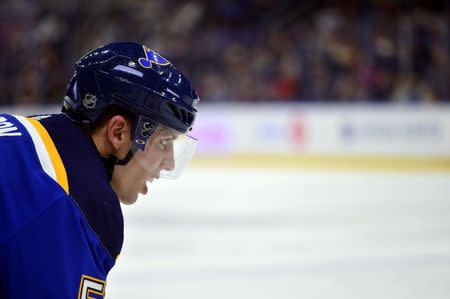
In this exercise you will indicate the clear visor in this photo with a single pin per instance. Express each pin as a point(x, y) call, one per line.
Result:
point(166, 153)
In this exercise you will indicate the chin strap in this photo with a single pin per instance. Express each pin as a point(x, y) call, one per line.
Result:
point(127, 158)
point(111, 161)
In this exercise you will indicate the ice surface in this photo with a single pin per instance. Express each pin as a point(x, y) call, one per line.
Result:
point(243, 233)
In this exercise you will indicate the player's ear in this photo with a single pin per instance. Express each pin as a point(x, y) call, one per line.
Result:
point(118, 132)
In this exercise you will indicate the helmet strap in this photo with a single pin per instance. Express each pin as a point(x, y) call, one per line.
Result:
point(127, 158)
point(111, 161)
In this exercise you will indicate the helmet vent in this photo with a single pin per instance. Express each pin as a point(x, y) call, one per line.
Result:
point(175, 111)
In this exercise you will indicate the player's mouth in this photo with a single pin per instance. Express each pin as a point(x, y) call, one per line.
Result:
point(144, 189)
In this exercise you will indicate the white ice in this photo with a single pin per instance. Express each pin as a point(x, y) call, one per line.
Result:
point(280, 234)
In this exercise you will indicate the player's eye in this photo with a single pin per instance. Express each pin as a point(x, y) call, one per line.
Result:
point(164, 144)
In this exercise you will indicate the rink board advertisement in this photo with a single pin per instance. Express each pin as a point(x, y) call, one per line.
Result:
point(388, 137)
point(291, 129)
point(317, 136)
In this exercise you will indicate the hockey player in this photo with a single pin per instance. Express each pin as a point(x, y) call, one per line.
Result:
point(125, 121)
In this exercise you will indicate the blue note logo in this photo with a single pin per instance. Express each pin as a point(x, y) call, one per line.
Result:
point(151, 57)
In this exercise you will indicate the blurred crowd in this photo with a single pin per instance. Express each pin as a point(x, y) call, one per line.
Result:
point(238, 50)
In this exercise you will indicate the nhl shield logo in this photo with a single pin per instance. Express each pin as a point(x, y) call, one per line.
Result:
point(89, 101)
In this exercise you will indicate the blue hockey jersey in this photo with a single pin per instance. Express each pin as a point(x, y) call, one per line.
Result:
point(61, 225)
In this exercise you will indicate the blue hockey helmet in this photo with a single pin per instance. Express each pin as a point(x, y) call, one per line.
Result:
point(134, 77)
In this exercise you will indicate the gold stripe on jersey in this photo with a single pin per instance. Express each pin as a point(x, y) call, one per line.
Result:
point(61, 175)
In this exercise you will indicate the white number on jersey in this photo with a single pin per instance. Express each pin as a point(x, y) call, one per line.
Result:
point(90, 285)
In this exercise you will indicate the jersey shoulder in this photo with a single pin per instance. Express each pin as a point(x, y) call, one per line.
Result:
point(89, 184)
point(48, 157)
point(32, 177)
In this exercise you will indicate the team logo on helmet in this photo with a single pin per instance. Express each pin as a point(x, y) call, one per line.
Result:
point(89, 101)
point(151, 57)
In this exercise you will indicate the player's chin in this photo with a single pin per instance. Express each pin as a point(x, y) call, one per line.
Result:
point(129, 199)
point(131, 195)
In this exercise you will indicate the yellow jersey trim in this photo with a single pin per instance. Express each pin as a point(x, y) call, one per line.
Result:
point(60, 170)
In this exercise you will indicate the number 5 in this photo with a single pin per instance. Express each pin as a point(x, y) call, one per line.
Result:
point(90, 285)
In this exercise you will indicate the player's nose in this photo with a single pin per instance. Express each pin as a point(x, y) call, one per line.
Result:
point(168, 163)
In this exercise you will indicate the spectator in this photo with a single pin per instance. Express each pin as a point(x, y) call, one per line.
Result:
point(238, 50)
